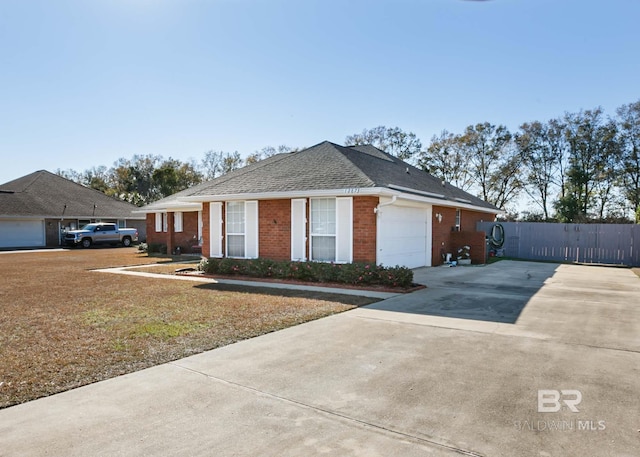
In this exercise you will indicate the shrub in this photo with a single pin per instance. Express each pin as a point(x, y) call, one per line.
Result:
point(347, 273)
point(156, 248)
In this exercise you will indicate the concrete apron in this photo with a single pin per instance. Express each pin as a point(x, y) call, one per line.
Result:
point(391, 379)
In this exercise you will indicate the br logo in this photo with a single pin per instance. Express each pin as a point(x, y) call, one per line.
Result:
point(551, 401)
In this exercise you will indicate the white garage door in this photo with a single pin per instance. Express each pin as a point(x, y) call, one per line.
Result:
point(404, 236)
point(21, 233)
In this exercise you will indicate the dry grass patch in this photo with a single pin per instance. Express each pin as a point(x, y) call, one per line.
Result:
point(63, 325)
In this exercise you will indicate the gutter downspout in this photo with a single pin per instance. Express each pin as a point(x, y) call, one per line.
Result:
point(380, 205)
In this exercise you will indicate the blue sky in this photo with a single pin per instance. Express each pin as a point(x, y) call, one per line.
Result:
point(85, 82)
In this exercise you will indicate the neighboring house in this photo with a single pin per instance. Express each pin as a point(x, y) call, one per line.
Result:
point(325, 203)
point(173, 223)
point(37, 208)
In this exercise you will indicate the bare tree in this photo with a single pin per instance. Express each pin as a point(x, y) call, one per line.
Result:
point(446, 159)
point(541, 160)
point(494, 164)
point(267, 152)
point(392, 140)
point(629, 125)
point(211, 164)
point(594, 157)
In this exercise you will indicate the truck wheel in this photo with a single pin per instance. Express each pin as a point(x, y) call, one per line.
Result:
point(126, 241)
point(86, 243)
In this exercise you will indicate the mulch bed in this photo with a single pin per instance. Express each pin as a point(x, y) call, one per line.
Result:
point(399, 290)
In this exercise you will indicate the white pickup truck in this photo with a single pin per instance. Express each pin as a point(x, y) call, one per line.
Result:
point(100, 233)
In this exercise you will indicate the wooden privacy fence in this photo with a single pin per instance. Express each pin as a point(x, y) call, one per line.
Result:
point(617, 244)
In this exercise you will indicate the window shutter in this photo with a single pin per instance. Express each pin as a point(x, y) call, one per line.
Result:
point(215, 229)
point(344, 229)
point(158, 222)
point(251, 229)
point(299, 229)
point(177, 221)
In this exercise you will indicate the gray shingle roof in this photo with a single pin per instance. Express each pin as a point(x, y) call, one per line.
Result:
point(389, 171)
point(319, 167)
point(328, 166)
point(45, 194)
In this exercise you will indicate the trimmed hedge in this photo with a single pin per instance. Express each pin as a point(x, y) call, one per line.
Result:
point(360, 274)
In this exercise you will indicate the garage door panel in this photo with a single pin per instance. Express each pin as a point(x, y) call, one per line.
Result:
point(403, 236)
point(21, 233)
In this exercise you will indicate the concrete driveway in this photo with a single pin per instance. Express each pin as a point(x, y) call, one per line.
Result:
point(454, 369)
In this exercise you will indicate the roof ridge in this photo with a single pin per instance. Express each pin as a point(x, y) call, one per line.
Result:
point(340, 148)
point(358, 148)
point(353, 150)
point(36, 176)
point(249, 168)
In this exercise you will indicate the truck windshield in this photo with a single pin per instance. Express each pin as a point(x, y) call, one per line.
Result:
point(89, 227)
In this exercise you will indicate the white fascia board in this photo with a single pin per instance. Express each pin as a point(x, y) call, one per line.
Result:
point(173, 207)
point(71, 216)
point(26, 218)
point(415, 191)
point(183, 208)
point(353, 192)
point(442, 202)
point(404, 194)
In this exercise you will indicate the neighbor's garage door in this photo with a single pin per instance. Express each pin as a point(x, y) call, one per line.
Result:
point(403, 236)
point(21, 233)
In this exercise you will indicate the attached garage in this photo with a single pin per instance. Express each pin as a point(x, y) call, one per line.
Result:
point(22, 233)
point(404, 234)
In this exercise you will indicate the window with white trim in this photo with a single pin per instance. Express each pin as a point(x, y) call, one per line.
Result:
point(158, 222)
point(235, 228)
point(165, 222)
point(323, 229)
point(458, 218)
point(177, 221)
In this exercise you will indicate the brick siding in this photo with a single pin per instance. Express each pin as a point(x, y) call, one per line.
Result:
point(189, 235)
point(469, 219)
point(154, 237)
point(206, 235)
point(274, 222)
point(447, 240)
point(475, 240)
point(441, 236)
point(364, 229)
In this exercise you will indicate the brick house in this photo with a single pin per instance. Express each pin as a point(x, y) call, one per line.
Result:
point(324, 203)
point(36, 209)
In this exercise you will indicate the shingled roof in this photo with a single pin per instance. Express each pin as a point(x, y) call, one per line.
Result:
point(328, 166)
point(44, 194)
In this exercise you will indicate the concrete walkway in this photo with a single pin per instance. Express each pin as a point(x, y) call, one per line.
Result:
point(445, 371)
